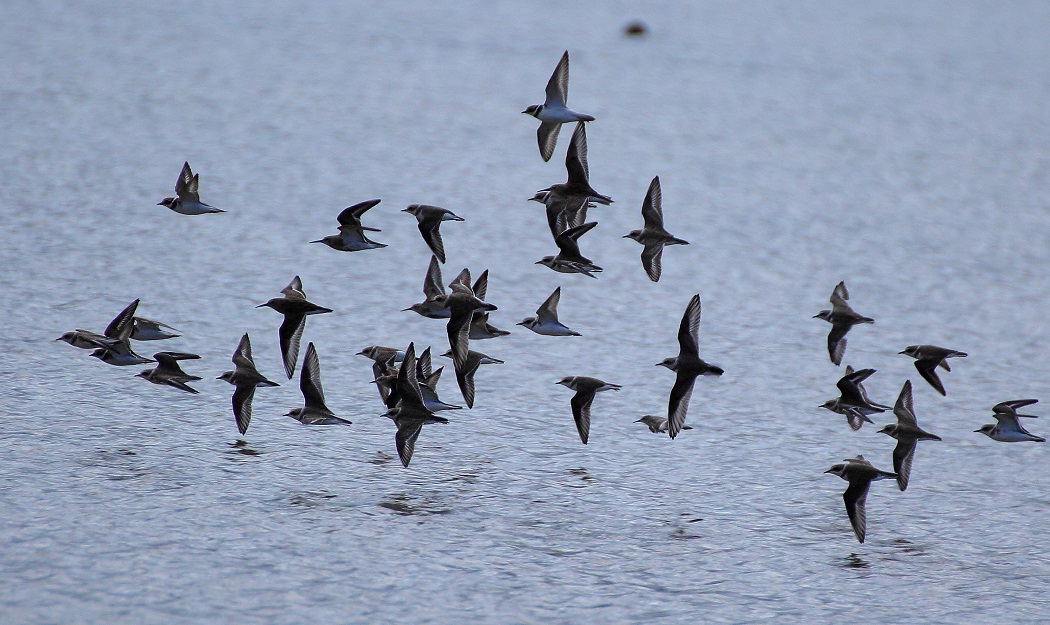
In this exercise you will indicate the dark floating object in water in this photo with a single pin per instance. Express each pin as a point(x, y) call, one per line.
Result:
point(635, 28)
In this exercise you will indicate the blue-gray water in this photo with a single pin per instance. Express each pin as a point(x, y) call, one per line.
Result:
point(899, 146)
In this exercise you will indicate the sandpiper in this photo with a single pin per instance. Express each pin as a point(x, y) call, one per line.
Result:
point(188, 200)
point(169, 373)
point(842, 318)
point(430, 218)
point(1009, 429)
point(295, 307)
point(554, 112)
point(569, 259)
point(586, 388)
point(860, 474)
point(853, 400)
point(351, 237)
point(653, 236)
point(687, 365)
point(314, 410)
point(928, 358)
point(908, 433)
point(658, 425)
point(546, 319)
point(245, 378)
point(465, 377)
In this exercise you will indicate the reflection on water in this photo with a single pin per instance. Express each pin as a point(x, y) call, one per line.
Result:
point(242, 447)
point(412, 505)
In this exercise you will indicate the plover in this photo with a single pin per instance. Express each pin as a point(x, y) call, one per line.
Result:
point(546, 319)
point(928, 358)
point(853, 401)
point(653, 236)
point(687, 365)
point(1009, 429)
point(860, 474)
point(430, 218)
point(188, 200)
point(245, 378)
point(295, 307)
point(351, 237)
point(563, 213)
point(842, 318)
point(554, 112)
point(586, 388)
point(463, 304)
point(169, 373)
point(908, 433)
point(314, 410)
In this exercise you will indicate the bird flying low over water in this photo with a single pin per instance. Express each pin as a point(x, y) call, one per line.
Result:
point(245, 378)
point(586, 388)
point(860, 474)
point(295, 307)
point(658, 425)
point(463, 304)
point(119, 329)
point(569, 259)
point(188, 200)
point(652, 235)
point(314, 410)
point(546, 319)
point(908, 433)
point(430, 218)
point(928, 358)
point(465, 377)
point(687, 365)
point(351, 237)
point(169, 373)
point(842, 318)
point(853, 400)
point(576, 190)
point(554, 112)
point(480, 328)
point(1008, 429)
point(434, 305)
point(411, 414)
point(149, 330)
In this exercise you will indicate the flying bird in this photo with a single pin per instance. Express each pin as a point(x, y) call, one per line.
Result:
point(687, 365)
point(169, 373)
point(546, 319)
point(853, 400)
point(246, 378)
point(842, 318)
point(295, 307)
point(188, 200)
point(554, 112)
point(908, 433)
point(653, 236)
point(1008, 429)
point(430, 218)
point(586, 388)
point(314, 410)
point(351, 237)
point(928, 358)
point(860, 474)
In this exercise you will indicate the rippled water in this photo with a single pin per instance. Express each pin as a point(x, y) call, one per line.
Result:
point(899, 147)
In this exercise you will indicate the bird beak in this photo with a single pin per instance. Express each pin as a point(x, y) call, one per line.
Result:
point(901, 352)
point(160, 203)
point(520, 323)
point(638, 421)
point(539, 262)
point(317, 241)
point(525, 111)
point(404, 210)
point(261, 306)
point(402, 310)
point(976, 430)
point(828, 471)
point(815, 317)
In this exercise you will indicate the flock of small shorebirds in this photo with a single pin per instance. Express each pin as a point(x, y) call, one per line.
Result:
point(407, 383)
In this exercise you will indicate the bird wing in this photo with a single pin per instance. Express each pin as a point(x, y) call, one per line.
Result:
point(310, 379)
point(652, 254)
point(905, 411)
point(290, 334)
point(407, 433)
point(837, 342)
point(433, 285)
point(352, 214)
point(123, 324)
point(576, 158)
point(547, 138)
point(581, 412)
point(652, 209)
point(242, 357)
point(187, 184)
point(928, 370)
point(432, 236)
point(678, 403)
point(557, 90)
point(294, 290)
point(242, 406)
point(854, 497)
point(548, 310)
point(902, 457)
point(466, 384)
point(688, 331)
point(481, 285)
